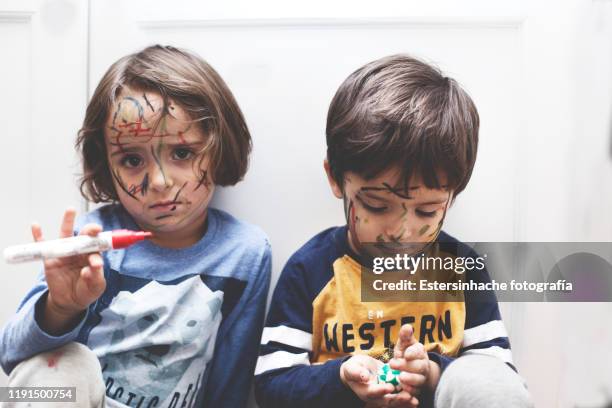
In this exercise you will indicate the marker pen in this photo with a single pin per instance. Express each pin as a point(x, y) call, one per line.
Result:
point(81, 244)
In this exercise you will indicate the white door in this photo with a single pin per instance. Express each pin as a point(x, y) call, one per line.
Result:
point(43, 77)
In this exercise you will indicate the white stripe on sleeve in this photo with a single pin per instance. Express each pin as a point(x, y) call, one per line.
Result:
point(503, 354)
point(287, 335)
point(280, 359)
point(488, 331)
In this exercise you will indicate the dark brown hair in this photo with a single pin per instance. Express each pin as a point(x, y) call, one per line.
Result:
point(400, 111)
point(180, 77)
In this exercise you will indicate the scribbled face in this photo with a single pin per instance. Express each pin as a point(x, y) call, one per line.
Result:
point(157, 170)
point(389, 217)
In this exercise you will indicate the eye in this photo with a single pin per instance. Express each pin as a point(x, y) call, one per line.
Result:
point(428, 214)
point(182, 153)
point(370, 208)
point(131, 161)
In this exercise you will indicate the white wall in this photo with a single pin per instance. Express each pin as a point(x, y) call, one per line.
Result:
point(540, 73)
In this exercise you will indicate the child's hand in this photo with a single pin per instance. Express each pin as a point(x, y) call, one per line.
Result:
point(410, 357)
point(74, 282)
point(359, 374)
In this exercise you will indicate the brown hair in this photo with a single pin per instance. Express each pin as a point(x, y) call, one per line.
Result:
point(401, 111)
point(179, 76)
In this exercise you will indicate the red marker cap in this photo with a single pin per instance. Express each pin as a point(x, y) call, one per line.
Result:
point(125, 238)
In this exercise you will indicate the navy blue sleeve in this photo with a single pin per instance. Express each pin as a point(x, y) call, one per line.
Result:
point(284, 376)
point(228, 381)
point(484, 330)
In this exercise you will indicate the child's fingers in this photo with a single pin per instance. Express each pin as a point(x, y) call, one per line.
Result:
point(91, 230)
point(67, 223)
point(401, 399)
point(411, 380)
point(404, 340)
point(93, 277)
point(36, 232)
point(415, 352)
point(95, 261)
point(356, 373)
point(378, 391)
point(419, 366)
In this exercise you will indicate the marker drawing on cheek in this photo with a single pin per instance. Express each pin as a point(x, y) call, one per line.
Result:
point(203, 181)
point(423, 230)
point(121, 184)
point(141, 188)
point(441, 222)
point(351, 219)
point(179, 192)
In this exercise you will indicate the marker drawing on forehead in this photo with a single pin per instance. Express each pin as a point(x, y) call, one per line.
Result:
point(394, 190)
point(130, 124)
point(144, 96)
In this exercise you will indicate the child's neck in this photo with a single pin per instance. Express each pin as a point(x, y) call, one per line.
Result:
point(183, 238)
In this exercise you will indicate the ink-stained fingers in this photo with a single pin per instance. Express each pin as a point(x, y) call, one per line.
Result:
point(405, 340)
point(91, 230)
point(36, 232)
point(67, 223)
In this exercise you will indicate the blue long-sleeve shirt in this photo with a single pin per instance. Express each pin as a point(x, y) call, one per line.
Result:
point(173, 325)
point(317, 320)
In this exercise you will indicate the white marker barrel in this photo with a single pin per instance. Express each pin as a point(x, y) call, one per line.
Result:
point(58, 248)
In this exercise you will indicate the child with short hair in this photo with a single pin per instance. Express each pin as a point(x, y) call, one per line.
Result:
point(401, 145)
point(174, 321)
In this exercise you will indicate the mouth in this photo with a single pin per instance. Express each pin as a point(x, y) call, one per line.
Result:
point(165, 205)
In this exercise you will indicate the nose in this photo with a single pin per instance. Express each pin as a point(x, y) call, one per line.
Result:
point(160, 178)
point(402, 231)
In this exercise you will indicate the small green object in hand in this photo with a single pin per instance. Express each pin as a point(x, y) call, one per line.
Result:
point(387, 375)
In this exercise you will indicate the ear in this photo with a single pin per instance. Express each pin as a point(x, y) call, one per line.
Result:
point(335, 187)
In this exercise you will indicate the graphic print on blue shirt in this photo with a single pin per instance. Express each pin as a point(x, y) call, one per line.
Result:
point(153, 354)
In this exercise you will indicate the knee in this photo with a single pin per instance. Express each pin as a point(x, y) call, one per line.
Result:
point(481, 381)
point(71, 358)
point(72, 365)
